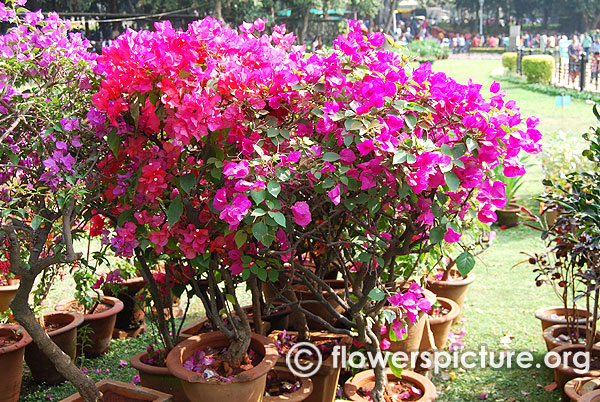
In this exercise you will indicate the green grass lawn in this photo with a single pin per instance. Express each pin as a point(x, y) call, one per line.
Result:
point(501, 301)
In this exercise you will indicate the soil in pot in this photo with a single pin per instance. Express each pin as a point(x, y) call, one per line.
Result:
point(411, 387)
point(443, 314)
point(13, 340)
point(556, 315)
point(115, 391)
point(455, 288)
point(61, 327)
point(325, 380)
point(156, 376)
point(99, 324)
point(577, 387)
point(130, 321)
point(204, 383)
point(557, 335)
point(204, 325)
point(283, 386)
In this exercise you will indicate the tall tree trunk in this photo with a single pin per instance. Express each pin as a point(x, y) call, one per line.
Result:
point(218, 10)
point(24, 316)
point(390, 20)
point(305, 22)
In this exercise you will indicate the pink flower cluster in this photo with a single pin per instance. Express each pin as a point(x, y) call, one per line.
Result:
point(408, 304)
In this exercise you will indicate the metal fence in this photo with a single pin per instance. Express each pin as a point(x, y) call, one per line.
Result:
point(586, 78)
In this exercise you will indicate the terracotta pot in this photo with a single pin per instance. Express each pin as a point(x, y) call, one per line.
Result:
point(576, 387)
point(101, 325)
point(440, 326)
point(593, 396)
point(131, 392)
point(564, 373)
point(508, 216)
point(303, 293)
point(7, 293)
point(325, 380)
point(278, 317)
point(203, 326)
point(11, 362)
point(65, 337)
point(414, 332)
point(248, 386)
point(159, 378)
point(306, 387)
point(556, 315)
point(452, 289)
point(366, 378)
point(130, 321)
point(551, 333)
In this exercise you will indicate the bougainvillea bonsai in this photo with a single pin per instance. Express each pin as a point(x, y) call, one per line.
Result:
point(47, 156)
point(238, 152)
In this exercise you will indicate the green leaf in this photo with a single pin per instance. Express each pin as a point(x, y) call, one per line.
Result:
point(36, 222)
point(230, 298)
point(258, 212)
point(262, 274)
point(377, 294)
point(274, 188)
point(465, 263)
point(348, 123)
point(331, 157)
point(436, 235)
point(445, 148)
point(240, 238)
point(279, 218)
point(258, 196)
point(187, 182)
point(396, 370)
point(399, 157)
point(411, 121)
point(458, 150)
point(261, 233)
point(273, 275)
point(175, 211)
point(348, 140)
point(452, 180)
point(114, 142)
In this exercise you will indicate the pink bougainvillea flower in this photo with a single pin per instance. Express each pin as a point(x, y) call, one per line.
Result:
point(495, 87)
point(385, 344)
point(347, 156)
point(220, 200)
point(451, 236)
point(234, 213)
point(301, 213)
point(365, 147)
point(236, 170)
point(334, 194)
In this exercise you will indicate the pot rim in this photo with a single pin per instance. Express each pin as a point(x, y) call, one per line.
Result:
point(338, 285)
point(452, 314)
point(138, 364)
point(540, 314)
point(510, 207)
point(593, 396)
point(9, 288)
point(116, 307)
point(460, 282)
point(306, 387)
point(429, 391)
point(571, 384)
point(562, 348)
point(75, 322)
point(180, 352)
point(21, 343)
point(344, 340)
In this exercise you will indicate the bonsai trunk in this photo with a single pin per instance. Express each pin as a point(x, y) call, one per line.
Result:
point(61, 361)
point(378, 392)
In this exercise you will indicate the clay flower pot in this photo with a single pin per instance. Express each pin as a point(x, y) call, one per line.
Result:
point(552, 333)
point(7, 293)
point(593, 396)
point(130, 321)
point(303, 293)
point(64, 336)
point(11, 360)
point(119, 391)
point(556, 315)
point(508, 216)
point(440, 326)
point(575, 388)
point(563, 373)
point(414, 331)
point(101, 324)
point(454, 289)
point(366, 379)
point(204, 325)
point(325, 380)
point(306, 387)
point(158, 378)
point(248, 386)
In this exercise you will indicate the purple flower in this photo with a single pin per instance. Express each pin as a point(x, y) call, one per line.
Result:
point(301, 213)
